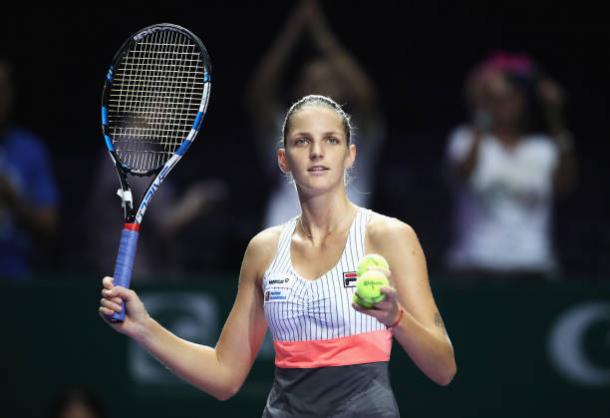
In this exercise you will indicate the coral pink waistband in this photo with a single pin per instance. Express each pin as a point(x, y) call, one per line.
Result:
point(356, 349)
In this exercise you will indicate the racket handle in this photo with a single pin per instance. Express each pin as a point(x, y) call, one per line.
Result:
point(124, 262)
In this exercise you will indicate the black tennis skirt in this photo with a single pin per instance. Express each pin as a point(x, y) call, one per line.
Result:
point(360, 390)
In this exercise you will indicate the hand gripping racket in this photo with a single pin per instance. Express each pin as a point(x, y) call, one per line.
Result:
point(155, 96)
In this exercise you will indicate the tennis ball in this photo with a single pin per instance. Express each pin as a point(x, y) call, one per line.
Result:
point(372, 261)
point(368, 288)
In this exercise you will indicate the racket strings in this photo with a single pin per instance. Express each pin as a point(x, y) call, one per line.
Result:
point(156, 95)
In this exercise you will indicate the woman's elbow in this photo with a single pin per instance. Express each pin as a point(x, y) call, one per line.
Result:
point(224, 395)
point(447, 376)
point(227, 392)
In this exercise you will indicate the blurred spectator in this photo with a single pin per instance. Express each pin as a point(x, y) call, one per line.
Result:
point(28, 193)
point(158, 253)
point(330, 71)
point(77, 403)
point(506, 173)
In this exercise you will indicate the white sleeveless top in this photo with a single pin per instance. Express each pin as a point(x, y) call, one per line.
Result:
point(312, 321)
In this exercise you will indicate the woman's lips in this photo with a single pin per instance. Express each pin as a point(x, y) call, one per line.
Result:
point(317, 168)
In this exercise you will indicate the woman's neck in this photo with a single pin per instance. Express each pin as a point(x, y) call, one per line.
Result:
point(325, 215)
point(509, 137)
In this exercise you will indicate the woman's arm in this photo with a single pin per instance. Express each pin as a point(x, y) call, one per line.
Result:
point(361, 88)
point(465, 167)
point(263, 99)
point(421, 331)
point(219, 371)
point(480, 87)
point(553, 100)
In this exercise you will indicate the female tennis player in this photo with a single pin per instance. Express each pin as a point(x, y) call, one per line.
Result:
point(331, 355)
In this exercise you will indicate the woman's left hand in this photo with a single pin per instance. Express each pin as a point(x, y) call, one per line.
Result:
point(386, 311)
point(553, 100)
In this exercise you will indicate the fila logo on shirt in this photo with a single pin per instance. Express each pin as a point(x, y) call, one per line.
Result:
point(349, 279)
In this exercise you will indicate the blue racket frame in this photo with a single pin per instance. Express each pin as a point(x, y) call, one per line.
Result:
point(132, 218)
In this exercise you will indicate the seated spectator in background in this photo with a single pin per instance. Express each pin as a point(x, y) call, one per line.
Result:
point(77, 403)
point(332, 72)
point(28, 193)
point(505, 173)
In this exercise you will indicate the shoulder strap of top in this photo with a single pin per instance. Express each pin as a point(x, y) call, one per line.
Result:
point(363, 217)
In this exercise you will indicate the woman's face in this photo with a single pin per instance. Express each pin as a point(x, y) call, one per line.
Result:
point(504, 102)
point(316, 151)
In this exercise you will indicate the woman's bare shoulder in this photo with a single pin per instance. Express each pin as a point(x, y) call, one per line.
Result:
point(266, 240)
point(383, 231)
point(261, 251)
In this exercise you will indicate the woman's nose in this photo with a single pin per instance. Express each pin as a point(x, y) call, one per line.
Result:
point(316, 150)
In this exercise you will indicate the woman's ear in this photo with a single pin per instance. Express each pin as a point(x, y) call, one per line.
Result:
point(351, 156)
point(281, 161)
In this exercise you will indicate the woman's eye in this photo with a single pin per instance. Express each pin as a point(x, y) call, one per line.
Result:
point(333, 140)
point(300, 141)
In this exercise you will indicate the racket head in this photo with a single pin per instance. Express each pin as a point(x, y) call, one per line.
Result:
point(154, 97)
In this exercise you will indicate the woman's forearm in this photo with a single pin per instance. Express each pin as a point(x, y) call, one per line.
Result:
point(564, 177)
point(466, 167)
point(195, 363)
point(431, 350)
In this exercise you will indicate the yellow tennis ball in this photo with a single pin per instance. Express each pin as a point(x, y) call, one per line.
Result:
point(372, 261)
point(368, 288)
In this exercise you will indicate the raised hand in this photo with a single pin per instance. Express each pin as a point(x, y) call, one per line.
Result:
point(112, 300)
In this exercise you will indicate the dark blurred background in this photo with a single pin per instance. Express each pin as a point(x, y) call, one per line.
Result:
point(418, 55)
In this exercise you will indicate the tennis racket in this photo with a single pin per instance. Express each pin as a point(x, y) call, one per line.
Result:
point(153, 103)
